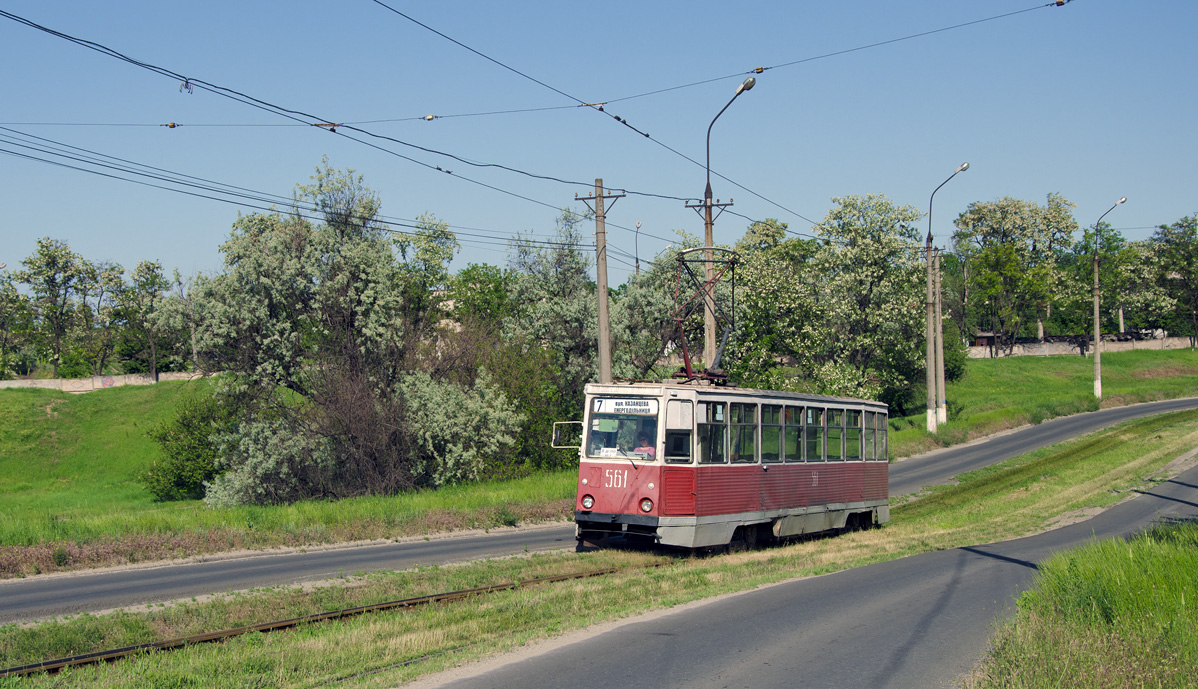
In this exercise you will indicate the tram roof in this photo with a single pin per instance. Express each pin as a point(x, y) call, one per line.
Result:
point(659, 388)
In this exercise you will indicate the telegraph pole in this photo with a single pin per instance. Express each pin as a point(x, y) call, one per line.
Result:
point(605, 375)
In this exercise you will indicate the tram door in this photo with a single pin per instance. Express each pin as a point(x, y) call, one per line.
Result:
point(775, 486)
point(678, 476)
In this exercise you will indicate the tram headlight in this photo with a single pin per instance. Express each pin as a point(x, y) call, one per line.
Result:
point(588, 502)
point(646, 505)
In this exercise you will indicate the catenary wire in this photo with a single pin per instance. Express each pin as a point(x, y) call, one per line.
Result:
point(244, 202)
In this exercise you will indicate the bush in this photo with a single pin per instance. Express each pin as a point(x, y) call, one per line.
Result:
point(526, 374)
point(189, 450)
point(267, 461)
point(955, 352)
point(456, 429)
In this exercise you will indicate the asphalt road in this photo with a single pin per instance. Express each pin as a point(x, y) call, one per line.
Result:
point(918, 622)
point(46, 596)
point(40, 597)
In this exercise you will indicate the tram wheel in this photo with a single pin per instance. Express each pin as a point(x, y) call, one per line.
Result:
point(744, 538)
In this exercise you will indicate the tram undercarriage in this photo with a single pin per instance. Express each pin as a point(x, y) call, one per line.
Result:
point(611, 530)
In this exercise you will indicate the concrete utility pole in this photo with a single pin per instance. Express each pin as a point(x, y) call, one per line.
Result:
point(1097, 327)
point(605, 375)
point(935, 348)
point(709, 330)
point(941, 402)
point(929, 335)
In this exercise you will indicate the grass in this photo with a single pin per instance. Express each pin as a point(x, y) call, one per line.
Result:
point(1020, 497)
point(999, 394)
point(1119, 612)
point(70, 495)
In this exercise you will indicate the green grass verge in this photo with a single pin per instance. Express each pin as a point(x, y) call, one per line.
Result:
point(999, 394)
point(1018, 498)
point(1120, 612)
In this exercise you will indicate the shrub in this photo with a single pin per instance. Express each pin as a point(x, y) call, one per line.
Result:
point(267, 461)
point(456, 429)
point(189, 449)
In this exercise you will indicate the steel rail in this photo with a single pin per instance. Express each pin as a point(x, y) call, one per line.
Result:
point(169, 644)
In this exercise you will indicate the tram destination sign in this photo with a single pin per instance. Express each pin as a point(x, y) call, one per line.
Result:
point(608, 405)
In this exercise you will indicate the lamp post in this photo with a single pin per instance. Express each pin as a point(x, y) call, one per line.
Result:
point(1097, 327)
point(709, 334)
point(637, 248)
point(935, 345)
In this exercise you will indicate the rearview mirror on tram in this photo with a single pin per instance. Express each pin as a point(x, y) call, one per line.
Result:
point(567, 435)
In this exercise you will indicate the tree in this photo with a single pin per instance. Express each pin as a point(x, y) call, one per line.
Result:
point(643, 325)
point(1177, 253)
point(328, 334)
point(769, 313)
point(178, 317)
point(55, 276)
point(140, 306)
point(847, 313)
point(1010, 249)
point(480, 293)
point(99, 317)
point(16, 324)
point(555, 305)
point(1134, 291)
point(426, 255)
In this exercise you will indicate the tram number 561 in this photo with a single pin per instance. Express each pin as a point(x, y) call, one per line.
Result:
point(615, 478)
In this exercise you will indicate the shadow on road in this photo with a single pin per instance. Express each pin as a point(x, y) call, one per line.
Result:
point(1004, 558)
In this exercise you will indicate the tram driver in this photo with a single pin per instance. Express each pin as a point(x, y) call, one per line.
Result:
point(645, 446)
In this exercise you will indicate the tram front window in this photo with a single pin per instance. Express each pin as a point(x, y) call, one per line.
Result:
point(630, 430)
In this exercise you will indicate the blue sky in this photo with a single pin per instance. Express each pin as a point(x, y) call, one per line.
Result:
point(1094, 100)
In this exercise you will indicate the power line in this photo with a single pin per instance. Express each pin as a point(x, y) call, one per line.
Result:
point(239, 198)
point(296, 115)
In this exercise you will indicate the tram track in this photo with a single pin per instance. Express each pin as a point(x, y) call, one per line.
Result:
point(109, 655)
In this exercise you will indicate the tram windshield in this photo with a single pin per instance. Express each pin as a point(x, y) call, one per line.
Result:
point(623, 428)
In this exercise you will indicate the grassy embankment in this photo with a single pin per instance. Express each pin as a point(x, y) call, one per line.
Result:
point(70, 497)
point(1020, 497)
point(1117, 613)
point(999, 394)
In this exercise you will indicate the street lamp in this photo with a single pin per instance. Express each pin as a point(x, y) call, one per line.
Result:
point(1097, 328)
point(709, 335)
point(636, 250)
point(937, 405)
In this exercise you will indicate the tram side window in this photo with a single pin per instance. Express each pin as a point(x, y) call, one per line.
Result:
point(713, 434)
point(792, 433)
point(852, 434)
point(883, 437)
point(815, 434)
point(679, 424)
point(744, 433)
point(867, 437)
point(835, 446)
point(771, 433)
point(678, 447)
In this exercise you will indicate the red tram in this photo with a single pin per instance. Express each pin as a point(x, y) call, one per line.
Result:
point(698, 466)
